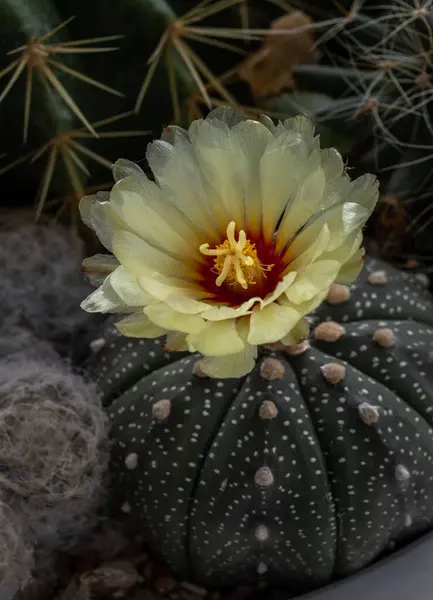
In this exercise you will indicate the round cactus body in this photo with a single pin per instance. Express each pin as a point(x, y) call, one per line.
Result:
point(303, 471)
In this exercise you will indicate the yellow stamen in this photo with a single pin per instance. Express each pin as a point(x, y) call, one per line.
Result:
point(235, 261)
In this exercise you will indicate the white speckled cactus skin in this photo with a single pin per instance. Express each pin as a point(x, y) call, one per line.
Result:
point(305, 470)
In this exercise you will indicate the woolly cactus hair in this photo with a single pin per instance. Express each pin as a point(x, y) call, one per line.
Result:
point(16, 558)
point(52, 450)
point(42, 284)
point(17, 342)
point(307, 469)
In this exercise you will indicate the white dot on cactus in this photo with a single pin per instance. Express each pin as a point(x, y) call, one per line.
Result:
point(268, 410)
point(271, 368)
point(97, 345)
point(384, 337)
point(402, 474)
point(131, 461)
point(262, 533)
point(296, 349)
point(264, 477)
point(337, 294)
point(161, 410)
point(369, 414)
point(329, 331)
point(333, 372)
point(262, 568)
point(378, 278)
point(407, 521)
point(423, 279)
point(126, 507)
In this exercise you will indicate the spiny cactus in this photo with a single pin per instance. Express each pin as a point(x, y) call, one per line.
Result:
point(63, 78)
point(53, 455)
point(307, 469)
point(372, 90)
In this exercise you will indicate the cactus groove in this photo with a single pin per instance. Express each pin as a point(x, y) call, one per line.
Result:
point(305, 470)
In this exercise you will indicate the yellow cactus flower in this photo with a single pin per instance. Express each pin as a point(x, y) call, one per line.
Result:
point(244, 229)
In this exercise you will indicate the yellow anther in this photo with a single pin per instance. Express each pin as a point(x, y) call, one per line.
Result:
point(235, 261)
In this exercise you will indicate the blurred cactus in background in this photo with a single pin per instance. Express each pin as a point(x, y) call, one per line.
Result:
point(372, 80)
point(77, 91)
point(81, 86)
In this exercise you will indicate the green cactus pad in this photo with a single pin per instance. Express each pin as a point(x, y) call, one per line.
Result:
point(306, 470)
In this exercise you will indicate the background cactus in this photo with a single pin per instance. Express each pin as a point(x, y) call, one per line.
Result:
point(53, 456)
point(373, 84)
point(52, 427)
point(235, 481)
point(42, 285)
point(70, 87)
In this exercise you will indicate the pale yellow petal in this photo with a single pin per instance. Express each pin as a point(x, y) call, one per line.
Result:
point(282, 169)
point(332, 164)
point(185, 303)
point(98, 267)
point(140, 258)
point(220, 313)
point(216, 339)
point(179, 294)
point(171, 133)
point(314, 279)
point(299, 332)
point(253, 138)
point(304, 242)
point(270, 324)
point(126, 286)
point(353, 218)
point(280, 288)
point(224, 168)
point(305, 204)
point(227, 115)
point(268, 123)
point(105, 300)
point(234, 365)
point(364, 191)
point(351, 269)
point(176, 342)
point(342, 220)
point(100, 217)
point(140, 203)
point(139, 326)
point(125, 168)
point(344, 252)
point(171, 320)
point(306, 307)
point(307, 254)
point(302, 125)
point(178, 174)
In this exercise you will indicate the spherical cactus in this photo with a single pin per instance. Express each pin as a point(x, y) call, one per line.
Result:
point(303, 471)
point(16, 557)
point(53, 451)
point(42, 286)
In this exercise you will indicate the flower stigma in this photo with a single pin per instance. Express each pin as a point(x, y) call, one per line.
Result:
point(235, 261)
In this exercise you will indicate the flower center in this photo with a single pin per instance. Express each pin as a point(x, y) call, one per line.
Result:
point(235, 261)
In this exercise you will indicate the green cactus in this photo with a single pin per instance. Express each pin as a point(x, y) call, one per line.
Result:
point(371, 92)
point(78, 90)
point(306, 470)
